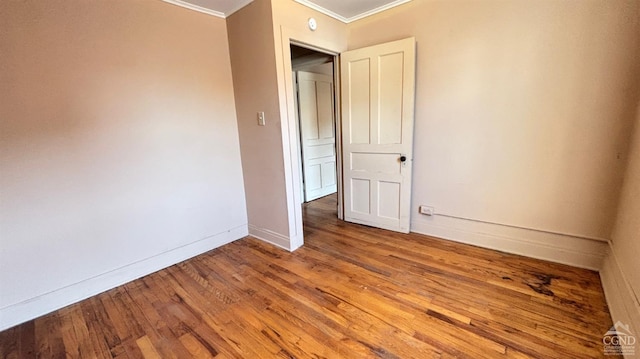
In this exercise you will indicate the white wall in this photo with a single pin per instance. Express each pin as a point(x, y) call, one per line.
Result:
point(523, 112)
point(119, 148)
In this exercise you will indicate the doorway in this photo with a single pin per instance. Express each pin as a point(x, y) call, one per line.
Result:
point(313, 74)
point(374, 131)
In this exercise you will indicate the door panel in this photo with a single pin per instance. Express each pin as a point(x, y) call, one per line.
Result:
point(317, 134)
point(375, 162)
point(391, 98)
point(377, 125)
point(360, 195)
point(358, 76)
point(324, 98)
point(326, 150)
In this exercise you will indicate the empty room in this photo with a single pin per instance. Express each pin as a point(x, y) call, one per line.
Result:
point(319, 179)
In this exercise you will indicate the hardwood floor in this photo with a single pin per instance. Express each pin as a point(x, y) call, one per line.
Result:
point(350, 292)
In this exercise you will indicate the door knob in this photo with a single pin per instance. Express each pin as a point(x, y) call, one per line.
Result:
point(403, 158)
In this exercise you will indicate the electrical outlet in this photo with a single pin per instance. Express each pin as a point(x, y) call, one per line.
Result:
point(426, 210)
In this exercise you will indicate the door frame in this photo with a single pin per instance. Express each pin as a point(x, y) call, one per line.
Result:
point(336, 120)
point(291, 150)
point(302, 142)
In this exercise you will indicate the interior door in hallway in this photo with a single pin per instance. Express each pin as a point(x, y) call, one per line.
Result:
point(377, 94)
point(317, 134)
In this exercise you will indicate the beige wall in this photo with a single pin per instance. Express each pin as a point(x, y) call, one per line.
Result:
point(118, 142)
point(330, 34)
point(626, 233)
point(254, 77)
point(259, 75)
point(290, 23)
point(523, 109)
point(119, 139)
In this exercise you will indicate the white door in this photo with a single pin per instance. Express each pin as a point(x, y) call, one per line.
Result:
point(377, 91)
point(317, 134)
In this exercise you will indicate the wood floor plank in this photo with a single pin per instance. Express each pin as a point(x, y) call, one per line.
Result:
point(147, 348)
point(99, 329)
point(350, 292)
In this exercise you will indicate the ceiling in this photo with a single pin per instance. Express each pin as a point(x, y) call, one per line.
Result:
point(343, 10)
point(351, 10)
point(221, 8)
point(303, 57)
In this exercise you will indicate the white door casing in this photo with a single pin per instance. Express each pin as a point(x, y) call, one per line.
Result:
point(317, 134)
point(294, 76)
point(377, 89)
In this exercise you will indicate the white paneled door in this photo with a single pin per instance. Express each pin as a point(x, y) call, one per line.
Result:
point(377, 92)
point(317, 134)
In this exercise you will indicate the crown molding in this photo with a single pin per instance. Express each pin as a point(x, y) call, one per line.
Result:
point(207, 11)
point(197, 8)
point(346, 20)
point(378, 9)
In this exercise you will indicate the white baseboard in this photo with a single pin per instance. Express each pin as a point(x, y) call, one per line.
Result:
point(270, 237)
point(560, 248)
point(623, 304)
point(35, 307)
